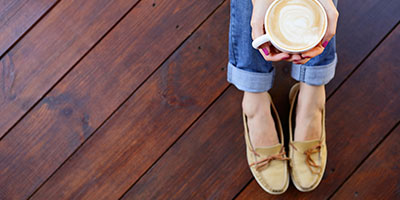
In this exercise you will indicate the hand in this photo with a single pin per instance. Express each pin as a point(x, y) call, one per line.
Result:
point(268, 51)
point(333, 16)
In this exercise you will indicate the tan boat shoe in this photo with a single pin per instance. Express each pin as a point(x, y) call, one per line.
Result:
point(307, 158)
point(268, 164)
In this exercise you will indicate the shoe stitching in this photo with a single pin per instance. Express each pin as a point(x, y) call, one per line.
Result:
point(309, 161)
point(279, 156)
point(308, 152)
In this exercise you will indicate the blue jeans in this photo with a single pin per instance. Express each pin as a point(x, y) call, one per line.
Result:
point(248, 70)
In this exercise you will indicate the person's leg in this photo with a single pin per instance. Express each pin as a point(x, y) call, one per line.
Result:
point(249, 72)
point(313, 76)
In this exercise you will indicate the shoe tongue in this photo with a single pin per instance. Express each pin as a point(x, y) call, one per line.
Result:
point(304, 145)
point(268, 150)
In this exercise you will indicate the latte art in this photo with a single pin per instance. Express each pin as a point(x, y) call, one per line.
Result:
point(296, 24)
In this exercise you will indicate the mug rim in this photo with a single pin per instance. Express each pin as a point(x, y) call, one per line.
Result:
point(295, 51)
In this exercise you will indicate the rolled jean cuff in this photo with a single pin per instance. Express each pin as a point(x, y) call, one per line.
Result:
point(250, 81)
point(314, 75)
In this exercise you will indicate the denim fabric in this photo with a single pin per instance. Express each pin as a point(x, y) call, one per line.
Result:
point(248, 70)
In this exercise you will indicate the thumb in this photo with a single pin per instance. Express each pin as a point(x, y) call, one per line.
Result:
point(257, 19)
point(257, 28)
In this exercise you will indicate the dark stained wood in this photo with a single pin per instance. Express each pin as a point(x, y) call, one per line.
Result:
point(175, 137)
point(49, 50)
point(206, 162)
point(150, 121)
point(362, 25)
point(17, 16)
point(378, 177)
point(359, 115)
point(253, 191)
point(90, 93)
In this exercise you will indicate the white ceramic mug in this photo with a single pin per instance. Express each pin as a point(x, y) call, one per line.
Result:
point(265, 38)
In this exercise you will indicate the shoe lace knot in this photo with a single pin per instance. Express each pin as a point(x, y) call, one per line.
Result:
point(266, 161)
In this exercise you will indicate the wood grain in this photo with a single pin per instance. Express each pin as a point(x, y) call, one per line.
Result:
point(17, 16)
point(362, 25)
point(359, 116)
point(110, 122)
point(92, 91)
point(206, 162)
point(379, 176)
point(150, 121)
point(49, 50)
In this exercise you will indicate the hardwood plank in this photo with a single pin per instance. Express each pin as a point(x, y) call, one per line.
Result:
point(165, 171)
point(92, 91)
point(358, 117)
point(379, 176)
point(49, 50)
point(163, 107)
point(204, 163)
point(362, 25)
point(17, 16)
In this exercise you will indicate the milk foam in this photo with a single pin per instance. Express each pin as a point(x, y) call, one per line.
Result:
point(296, 24)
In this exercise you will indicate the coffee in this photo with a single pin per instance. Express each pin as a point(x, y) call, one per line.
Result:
point(296, 25)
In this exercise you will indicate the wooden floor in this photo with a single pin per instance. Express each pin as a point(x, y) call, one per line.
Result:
point(128, 99)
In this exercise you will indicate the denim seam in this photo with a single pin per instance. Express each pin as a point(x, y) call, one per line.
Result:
point(233, 45)
point(263, 81)
point(329, 65)
point(318, 69)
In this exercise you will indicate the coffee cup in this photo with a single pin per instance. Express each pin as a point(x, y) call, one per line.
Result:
point(293, 26)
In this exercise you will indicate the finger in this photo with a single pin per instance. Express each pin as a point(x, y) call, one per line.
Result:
point(273, 56)
point(294, 57)
point(313, 52)
point(270, 53)
point(265, 50)
point(288, 58)
point(302, 61)
point(328, 36)
point(277, 56)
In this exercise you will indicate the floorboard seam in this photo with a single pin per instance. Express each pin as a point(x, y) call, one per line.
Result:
point(240, 191)
point(364, 59)
point(369, 154)
point(173, 143)
point(201, 114)
point(124, 100)
point(68, 71)
point(365, 159)
point(73, 66)
point(29, 29)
